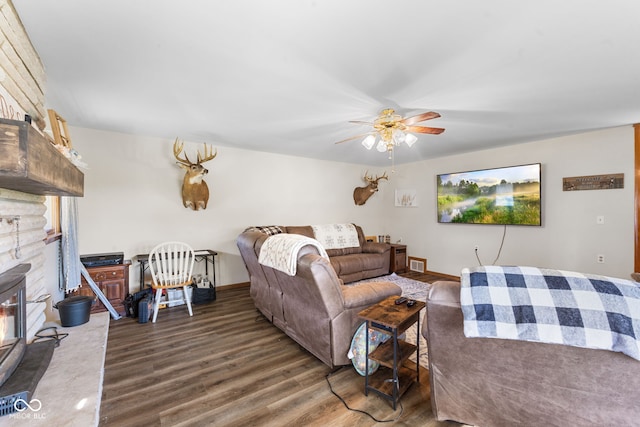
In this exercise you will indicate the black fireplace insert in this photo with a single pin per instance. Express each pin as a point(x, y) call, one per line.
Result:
point(21, 365)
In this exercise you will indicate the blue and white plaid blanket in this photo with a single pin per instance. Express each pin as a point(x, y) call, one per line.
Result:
point(551, 306)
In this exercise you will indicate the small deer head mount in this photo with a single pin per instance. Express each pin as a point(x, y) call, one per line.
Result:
point(362, 194)
point(195, 192)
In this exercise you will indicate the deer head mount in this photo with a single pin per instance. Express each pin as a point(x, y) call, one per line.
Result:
point(362, 194)
point(195, 192)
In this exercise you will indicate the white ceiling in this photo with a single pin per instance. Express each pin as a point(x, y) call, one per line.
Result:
point(286, 76)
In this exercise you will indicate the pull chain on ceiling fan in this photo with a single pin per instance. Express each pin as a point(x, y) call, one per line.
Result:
point(391, 129)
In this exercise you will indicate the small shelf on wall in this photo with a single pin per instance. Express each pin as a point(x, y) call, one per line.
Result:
point(31, 164)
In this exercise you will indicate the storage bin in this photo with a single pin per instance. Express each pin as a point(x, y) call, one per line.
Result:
point(176, 294)
point(74, 310)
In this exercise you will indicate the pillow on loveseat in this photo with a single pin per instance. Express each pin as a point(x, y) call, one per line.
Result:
point(266, 229)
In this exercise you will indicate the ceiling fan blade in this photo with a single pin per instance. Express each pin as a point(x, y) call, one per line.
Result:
point(425, 129)
point(360, 122)
point(354, 137)
point(420, 118)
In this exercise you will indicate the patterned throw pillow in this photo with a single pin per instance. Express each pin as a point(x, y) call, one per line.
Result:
point(266, 229)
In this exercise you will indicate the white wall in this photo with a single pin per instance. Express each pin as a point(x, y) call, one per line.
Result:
point(132, 201)
point(132, 197)
point(569, 238)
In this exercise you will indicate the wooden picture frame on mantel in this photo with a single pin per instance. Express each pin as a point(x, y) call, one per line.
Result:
point(59, 129)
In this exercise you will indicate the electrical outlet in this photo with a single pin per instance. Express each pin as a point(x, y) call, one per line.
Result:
point(600, 258)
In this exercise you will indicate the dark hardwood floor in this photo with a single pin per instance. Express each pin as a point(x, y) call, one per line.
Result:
point(429, 276)
point(226, 366)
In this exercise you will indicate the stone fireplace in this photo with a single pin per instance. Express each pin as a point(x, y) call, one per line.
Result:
point(30, 169)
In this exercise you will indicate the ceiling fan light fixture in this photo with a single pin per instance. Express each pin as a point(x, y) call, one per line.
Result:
point(391, 129)
point(369, 141)
point(410, 139)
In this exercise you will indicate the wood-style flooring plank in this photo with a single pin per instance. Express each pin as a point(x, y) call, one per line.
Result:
point(228, 366)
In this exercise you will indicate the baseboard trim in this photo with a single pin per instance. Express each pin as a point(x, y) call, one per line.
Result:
point(444, 276)
point(234, 286)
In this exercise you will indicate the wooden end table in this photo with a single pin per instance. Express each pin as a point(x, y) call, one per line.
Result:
point(398, 258)
point(392, 379)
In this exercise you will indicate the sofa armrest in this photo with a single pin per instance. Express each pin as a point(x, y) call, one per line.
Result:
point(375, 248)
point(366, 294)
point(445, 292)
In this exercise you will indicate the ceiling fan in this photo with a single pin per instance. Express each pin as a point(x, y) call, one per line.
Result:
point(393, 129)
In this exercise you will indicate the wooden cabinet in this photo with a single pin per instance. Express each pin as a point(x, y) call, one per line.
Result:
point(398, 262)
point(113, 281)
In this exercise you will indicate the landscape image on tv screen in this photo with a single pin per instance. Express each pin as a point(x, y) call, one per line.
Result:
point(508, 195)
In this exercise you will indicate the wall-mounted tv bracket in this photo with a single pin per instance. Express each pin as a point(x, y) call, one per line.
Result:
point(11, 220)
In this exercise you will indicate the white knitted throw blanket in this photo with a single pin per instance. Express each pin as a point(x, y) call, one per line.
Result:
point(280, 251)
point(336, 236)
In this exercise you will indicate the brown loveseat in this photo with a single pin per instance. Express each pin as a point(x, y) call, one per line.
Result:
point(367, 260)
point(495, 382)
point(314, 307)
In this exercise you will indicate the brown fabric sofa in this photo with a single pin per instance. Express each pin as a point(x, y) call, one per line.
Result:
point(314, 307)
point(493, 382)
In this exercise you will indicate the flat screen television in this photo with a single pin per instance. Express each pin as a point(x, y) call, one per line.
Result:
point(506, 195)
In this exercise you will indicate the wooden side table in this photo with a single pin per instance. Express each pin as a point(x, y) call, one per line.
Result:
point(391, 379)
point(398, 261)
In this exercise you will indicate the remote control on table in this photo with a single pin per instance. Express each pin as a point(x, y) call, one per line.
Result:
point(400, 300)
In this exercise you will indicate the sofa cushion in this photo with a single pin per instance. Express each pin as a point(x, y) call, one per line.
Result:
point(344, 251)
point(305, 230)
point(375, 248)
point(347, 264)
point(353, 263)
point(362, 295)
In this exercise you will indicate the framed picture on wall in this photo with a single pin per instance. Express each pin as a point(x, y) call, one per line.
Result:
point(406, 198)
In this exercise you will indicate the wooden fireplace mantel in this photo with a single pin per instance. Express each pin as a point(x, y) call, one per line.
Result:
point(31, 164)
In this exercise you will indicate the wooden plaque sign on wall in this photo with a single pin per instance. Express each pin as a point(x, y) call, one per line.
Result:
point(593, 182)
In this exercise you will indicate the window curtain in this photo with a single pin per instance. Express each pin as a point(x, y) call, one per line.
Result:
point(69, 253)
